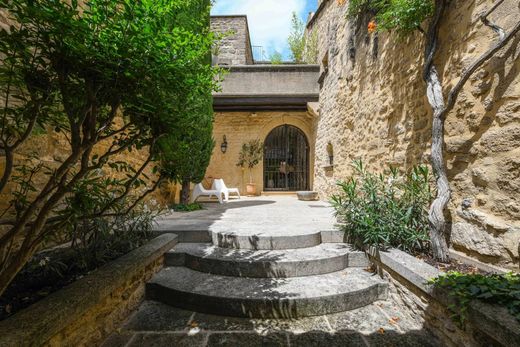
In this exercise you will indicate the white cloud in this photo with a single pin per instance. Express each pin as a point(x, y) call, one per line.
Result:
point(269, 20)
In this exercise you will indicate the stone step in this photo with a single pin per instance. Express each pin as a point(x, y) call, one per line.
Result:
point(266, 241)
point(321, 259)
point(294, 297)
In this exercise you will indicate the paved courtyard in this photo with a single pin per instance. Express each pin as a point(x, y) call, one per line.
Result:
point(263, 215)
point(264, 226)
point(379, 324)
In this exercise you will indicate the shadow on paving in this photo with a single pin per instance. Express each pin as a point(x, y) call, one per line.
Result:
point(315, 338)
point(202, 220)
point(157, 324)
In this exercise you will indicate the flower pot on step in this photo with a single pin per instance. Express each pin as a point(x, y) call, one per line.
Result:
point(251, 189)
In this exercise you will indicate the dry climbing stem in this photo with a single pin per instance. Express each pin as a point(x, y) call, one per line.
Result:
point(441, 107)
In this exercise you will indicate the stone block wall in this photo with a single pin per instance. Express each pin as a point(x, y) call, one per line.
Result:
point(373, 106)
point(235, 47)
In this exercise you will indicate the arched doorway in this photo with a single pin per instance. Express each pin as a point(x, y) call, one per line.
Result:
point(286, 160)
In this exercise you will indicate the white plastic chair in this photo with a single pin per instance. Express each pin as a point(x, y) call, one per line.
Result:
point(219, 186)
point(199, 191)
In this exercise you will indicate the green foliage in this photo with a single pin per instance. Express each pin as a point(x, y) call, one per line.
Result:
point(76, 68)
point(296, 39)
point(187, 207)
point(276, 58)
point(311, 47)
point(250, 156)
point(404, 16)
point(503, 290)
point(186, 152)
point(386, 210)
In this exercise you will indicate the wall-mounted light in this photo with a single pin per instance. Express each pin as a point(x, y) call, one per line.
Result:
point(330, 152)
point(224, 145)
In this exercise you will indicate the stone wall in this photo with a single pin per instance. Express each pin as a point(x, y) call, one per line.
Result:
point(373, 106)
point(240, 127)
point(235, 46)
point(485, 325)
point(85, 312)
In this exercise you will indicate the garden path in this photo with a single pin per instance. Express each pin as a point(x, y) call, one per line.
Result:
point(264, 238)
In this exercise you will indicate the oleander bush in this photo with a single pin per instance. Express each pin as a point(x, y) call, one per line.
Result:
point(385, 210)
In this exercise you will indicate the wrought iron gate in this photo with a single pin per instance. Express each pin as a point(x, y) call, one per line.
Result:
point(286, 160)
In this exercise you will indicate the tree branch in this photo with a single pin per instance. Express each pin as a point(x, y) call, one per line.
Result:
point(484, 18)
point(454, 93)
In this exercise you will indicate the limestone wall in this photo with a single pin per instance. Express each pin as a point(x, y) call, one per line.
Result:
point(373, 106)
point(240, 127)
point(235, 47)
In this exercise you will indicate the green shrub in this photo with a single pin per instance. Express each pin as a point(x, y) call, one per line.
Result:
point(386, 210)
point(405, 16)
point(498, 289)
point(187, 207)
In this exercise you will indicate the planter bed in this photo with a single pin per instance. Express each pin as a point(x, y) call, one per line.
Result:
point(88, 310)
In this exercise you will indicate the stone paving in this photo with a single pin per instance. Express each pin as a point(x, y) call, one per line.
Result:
point(379, 324)
point(264, 215)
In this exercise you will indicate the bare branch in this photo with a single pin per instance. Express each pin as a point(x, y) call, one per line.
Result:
point(484, 18)
point(8, 169)
point(115, 132)
point(454, 93)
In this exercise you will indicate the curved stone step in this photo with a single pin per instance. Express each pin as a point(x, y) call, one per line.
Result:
point(265, 241)
point(266, 297)
point(321, 259)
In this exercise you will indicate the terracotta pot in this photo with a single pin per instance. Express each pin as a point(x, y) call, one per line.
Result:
point(251, 189)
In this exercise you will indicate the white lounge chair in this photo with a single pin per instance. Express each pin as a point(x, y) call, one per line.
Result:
point(220, 186)
point(199, 191)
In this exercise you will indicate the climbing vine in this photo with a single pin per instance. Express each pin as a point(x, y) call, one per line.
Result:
point(406, 16)
point(501, 289)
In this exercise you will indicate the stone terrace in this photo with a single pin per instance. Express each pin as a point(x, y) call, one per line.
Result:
point(258, 260)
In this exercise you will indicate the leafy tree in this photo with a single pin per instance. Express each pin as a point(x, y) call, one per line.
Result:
point(185, 154)
point(296, 39)
point(405, 16)
point(251, 155)
point(311, 52)
point(186, 151)
point(111, 72)
point(276, 58)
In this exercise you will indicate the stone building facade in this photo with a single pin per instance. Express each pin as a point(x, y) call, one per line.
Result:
point(235, 45)
point(269, 103)
point(373, 107)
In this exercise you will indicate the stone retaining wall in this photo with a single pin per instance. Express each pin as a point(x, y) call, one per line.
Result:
point(87, 311)
point(487, 325)
point(373, 106)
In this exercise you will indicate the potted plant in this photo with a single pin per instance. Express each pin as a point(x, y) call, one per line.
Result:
point(250, 155)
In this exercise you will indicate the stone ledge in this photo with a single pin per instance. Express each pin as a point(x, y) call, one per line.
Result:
point(274, 68)
point(48, 318)
point(494, 321)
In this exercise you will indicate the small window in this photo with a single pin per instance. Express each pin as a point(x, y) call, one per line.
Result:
point(324, 69)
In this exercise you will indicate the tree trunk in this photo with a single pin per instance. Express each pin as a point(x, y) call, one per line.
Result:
point(441, 109)
point(436, 99)
point(436, 216)
point(185, 192)
point(8, 274)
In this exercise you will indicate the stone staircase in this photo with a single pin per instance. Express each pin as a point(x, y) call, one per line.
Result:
point(266, 275)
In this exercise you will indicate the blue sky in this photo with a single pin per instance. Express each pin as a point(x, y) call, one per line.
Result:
point(269, 20)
